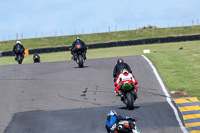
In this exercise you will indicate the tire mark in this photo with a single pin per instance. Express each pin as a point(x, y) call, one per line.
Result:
point(78, 100)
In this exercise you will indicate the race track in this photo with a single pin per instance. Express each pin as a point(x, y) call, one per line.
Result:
point(59, 97)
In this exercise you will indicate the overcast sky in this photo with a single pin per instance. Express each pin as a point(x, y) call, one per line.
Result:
point(65, 17)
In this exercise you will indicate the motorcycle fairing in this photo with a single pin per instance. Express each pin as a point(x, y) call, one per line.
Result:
point(126, 87)
point(110, 121)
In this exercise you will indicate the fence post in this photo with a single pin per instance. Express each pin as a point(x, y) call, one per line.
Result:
point(21, 36)
point(17, 36)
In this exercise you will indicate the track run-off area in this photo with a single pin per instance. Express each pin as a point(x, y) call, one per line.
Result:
point(59, 97)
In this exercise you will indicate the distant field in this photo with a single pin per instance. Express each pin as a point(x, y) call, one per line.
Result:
point(102, 37)
point(180, 69)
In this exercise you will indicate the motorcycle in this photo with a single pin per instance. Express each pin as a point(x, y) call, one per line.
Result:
point(128, 95)
point(79, 57)
point(123, 127)
point(36, 59)
point(19, 58)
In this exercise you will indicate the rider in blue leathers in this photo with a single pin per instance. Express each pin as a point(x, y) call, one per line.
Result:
point(113, 118)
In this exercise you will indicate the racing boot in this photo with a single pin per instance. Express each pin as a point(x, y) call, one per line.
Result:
point(84, 56)
point(15, 57)
point(122, 97)
point(73, 56)
point(135, 95)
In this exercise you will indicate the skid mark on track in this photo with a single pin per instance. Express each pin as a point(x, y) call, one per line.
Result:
point(84, 92)
point(78, 100)
point(96, 89)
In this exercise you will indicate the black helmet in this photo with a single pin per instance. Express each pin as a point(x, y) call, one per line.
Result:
point(120, 61)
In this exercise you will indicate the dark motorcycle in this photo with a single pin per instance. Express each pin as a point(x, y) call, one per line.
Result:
point(20, 57)
point(36, 59)
point(128, 95)
point(78, 56)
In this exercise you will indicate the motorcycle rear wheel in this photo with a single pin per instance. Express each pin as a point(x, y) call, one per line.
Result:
point(129, 98)
point(19, 59)
point(80, 60)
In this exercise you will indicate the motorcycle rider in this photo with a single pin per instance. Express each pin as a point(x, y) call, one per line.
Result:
point(75, 47)
point(119, 68)
point(36, 58)
point(126, 77)
point(113, 118)
point(18, 46)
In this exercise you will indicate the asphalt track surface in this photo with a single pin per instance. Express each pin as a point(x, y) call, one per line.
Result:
point(59, 97)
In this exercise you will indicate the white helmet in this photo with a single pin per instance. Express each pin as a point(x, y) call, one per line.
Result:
point(18, 42)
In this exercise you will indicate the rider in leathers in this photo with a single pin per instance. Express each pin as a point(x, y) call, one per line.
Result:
point(36, 57)
point(119, 67)
point(113, 119)
point(78, 45)
point(17, 46)
point(126, 77)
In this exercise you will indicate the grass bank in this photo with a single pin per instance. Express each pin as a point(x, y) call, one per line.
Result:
point(180, 69)
point(102, 37)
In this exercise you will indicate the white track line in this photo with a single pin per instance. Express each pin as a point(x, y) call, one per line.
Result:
point(168, 98)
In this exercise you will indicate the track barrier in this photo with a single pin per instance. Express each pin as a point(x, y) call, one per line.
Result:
point(114, 44)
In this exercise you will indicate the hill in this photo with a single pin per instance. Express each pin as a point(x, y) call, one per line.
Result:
point(57, 41)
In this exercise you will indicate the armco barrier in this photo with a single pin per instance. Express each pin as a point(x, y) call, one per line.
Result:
point(114, 44)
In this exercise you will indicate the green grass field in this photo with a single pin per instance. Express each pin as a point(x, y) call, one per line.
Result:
point(180, 69)
point(102, 37)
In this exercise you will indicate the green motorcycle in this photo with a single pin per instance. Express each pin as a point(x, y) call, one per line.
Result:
point(128, 95)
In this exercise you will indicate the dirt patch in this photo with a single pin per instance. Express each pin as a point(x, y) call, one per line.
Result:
point(178, 94)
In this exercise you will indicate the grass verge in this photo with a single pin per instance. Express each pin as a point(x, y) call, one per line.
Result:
point(102, 37)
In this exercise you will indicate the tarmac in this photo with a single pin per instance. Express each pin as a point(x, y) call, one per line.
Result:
point(59, 97)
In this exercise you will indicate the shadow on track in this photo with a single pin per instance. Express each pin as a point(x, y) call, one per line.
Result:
point(82, 67)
